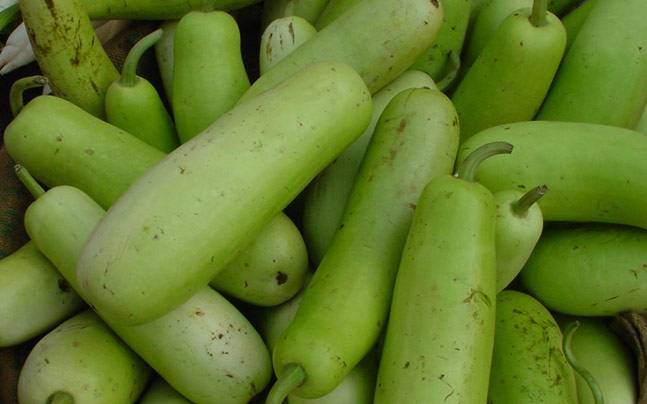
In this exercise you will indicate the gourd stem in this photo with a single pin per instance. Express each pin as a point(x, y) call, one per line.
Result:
point(467, 170)
point(16, 94)
point(294, 376)
point(569, 331)
point(60, 397)
point(539, 12)
point(28, 181)
point(129, 71)
point(520, 207)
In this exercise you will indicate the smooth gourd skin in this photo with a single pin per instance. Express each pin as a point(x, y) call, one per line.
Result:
point(205, 348)
point(164, 56)
point(71, 147)
point(574, 20)
point(60, 144)
point(528, 365)
point(33, 296)
point(642, 124)
point(147, 257)
point(160, 392)
point(139, 110)
point(208, 76)
point(511, 76)
point(602, 353)
point(152, 10)
point(356, 388)
point(270, 270)
point(595, 173)
point(440, 333)
point(345, 306)
point(450, 39)
point(379, 39)
point(68, 52)
point(516, 236)
point(603, 78)
point(282, 37)
point(589, 271)
point(326, 198)
point(85, 359)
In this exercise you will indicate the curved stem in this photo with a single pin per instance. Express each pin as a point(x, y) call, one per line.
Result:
point(467, 169)
point(129, 71)
point(454, 63)
point(520, 207)
point(60, 397)
point(569, 331)
point(294, 376)
point(28, 181)
point(16, 99)
point(539, 11)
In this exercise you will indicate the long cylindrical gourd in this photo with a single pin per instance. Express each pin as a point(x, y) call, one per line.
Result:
point(153, 10)
point(281, 38)
point(519, 223)
point(160, 392)
point(133, 104)
point(74, 148)
point(85, 361)
point(490, 17)
point(356, 388)
point(379, 39)
point(528, 364)
point(600, 351)
point(415, 140)
point(595, 173)
point(435, 61)
point(441, 325)
point(205, 348)
point(208, 73)
point(288, 134)
point(326, 198)
point(68, 52)
point(603, 78)
point(33, 296)
point(164, 56)
point(574, 20)
point(511, 76)
point(269, 271)
point(602, 270)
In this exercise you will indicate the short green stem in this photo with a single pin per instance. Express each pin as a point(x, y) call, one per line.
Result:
point(467, 170)
point(60, 397)
point(293, 377)
point(569, 331)
point(129, 70)
point(16, 94)
point(520, 207)
point(539, 13)
point(29, 182)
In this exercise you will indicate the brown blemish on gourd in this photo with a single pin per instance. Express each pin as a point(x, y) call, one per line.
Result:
point(403, 124)
point(51, 7)
point(281, 278)
point(291, 31)
point(63, 285)
point(435, 3)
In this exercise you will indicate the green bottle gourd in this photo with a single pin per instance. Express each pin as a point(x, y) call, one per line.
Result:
point(152, 10)
point(446, 277)
point(603, 78)
point(68, 52)
point(326, 197)
point(164, 56)
point(208, 74)
point(528, 364)
point(160, 392)
point(133, 104)
point(519, 223)
point(281, 38)
point(512, 75)
point(345, 306)
point(308, 10)
point(574, 20)
point(82, 361)
point(205, 348)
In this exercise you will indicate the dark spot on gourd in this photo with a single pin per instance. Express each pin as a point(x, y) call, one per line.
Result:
point(406, 365)
point(199, 312)
point(435, 3)
point(63, 285)
point(89, 152)
point(47, 361)
point(59, 138)
point(76, 344)
point(521, 43)
point(412, 206)
point(281, 278)
point(611, 298)
point(403, 125)
point(229, 375)
point(95, 87)
point(246, 284)
point(51, 7)
point(182, 170)
point(291, 31)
